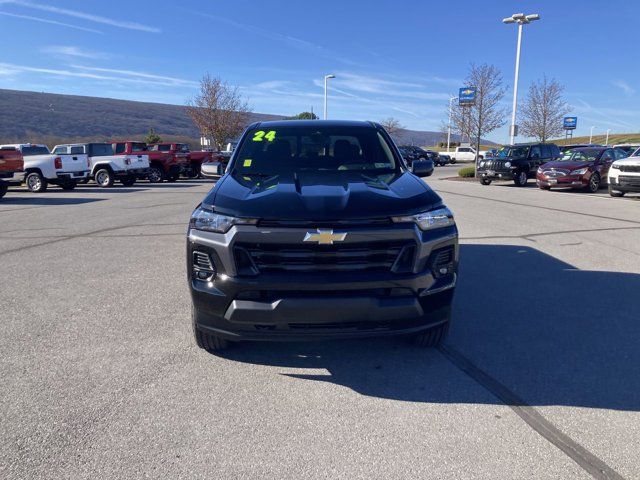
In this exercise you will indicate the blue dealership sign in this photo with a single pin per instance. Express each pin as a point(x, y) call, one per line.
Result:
point(570, 123)
point(467, 96)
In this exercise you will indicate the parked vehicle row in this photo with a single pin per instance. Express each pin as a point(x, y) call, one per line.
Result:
point(126, 162)
point(587, 167)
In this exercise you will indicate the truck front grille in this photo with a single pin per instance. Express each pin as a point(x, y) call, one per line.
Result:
point(497, 165)
point(630, 168)
point(371, 257)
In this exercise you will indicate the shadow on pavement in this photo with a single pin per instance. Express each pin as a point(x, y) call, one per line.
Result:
point(551, 333)
point(36, 199)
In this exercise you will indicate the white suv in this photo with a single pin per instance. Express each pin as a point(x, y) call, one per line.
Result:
point(624, 176)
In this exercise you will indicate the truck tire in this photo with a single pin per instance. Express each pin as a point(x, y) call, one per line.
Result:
point(612, 192)
point(104, 178)
point(594, 183)
point(485, 181)
point(156, 175)
point(453, 160)
point(36, 182)
point(521, 178)
point(3, 189)
point(432, 337)
point(172, 178)
point(128, 181)
point(207, 341)
point(68, 186)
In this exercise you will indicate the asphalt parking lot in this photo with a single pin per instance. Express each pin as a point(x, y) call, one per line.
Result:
point(539, 378)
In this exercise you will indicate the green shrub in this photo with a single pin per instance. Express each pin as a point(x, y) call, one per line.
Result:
point(466, 172)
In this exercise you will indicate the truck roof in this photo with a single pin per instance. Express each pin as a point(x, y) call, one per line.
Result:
point(19, 145)
point(318, 123)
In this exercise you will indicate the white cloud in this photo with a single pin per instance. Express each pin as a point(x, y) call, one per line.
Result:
point(73, 51)
point(133, 73)
point(84, 16)
point(100, 74)
point(51, 22)
point(624, 86)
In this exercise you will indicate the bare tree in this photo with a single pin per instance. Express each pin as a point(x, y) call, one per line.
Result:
point(392, 126)
point(218, 110)
point(486, 115)
point(542, 111)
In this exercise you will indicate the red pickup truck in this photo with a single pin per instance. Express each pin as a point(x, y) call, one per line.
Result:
point(11, 169)
point(195, 158)
point(179, 152)
point(162, 164)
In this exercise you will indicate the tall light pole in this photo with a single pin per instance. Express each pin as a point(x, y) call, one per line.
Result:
point(521, 19)
point(451, 99)
point(326, 77)
point(606, 142)
point(591, 135)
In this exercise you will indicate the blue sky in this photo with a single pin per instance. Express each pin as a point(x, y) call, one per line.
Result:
point(391, 58)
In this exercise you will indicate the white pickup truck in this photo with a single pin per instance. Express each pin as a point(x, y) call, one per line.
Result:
point(463, 154)
point(42, 167)
point(106, 167)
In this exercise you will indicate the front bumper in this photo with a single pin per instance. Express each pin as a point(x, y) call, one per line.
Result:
point(328, 304)
point(625, 182)
point(565, 181)
point(496, 175)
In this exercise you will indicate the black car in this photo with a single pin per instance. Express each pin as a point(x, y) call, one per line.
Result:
point(517, 162)
point(317, 230)
point(423, 154)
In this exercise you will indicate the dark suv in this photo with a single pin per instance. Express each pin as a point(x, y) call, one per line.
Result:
point(517, 162)
point(317, 230)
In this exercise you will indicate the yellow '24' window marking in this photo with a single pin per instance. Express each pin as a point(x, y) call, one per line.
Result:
point(260, 134)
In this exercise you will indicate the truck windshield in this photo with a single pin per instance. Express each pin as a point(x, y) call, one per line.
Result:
point(138, 147)
point(513, 152)
point(581, 155)
point(100, 149)
point(33, 150)
point(278, 150)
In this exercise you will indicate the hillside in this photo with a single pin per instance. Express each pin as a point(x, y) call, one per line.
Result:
point(600, 139)
point(53, 118)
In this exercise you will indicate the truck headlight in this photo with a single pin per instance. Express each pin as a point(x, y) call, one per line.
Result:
point(507, 164)
point(580, 171)
point(615, 166)
point(210, 221)
point(439, 218)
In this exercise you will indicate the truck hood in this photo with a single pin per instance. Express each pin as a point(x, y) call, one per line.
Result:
point(321, 196)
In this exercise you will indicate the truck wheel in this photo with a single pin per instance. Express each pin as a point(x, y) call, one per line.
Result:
point(173, 177)
point(104, 178)
point(452, 161)
point(128, 181)
point(485, 181)
point(432, 337)
point(156, 175)
point(520, 179)
point(36, 183)
point(594, 183)
point(3, 189)
point(68, 186)
point(612, 192)
point(206, 341)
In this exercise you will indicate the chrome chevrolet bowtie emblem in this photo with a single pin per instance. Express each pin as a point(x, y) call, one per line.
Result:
point(324, 237)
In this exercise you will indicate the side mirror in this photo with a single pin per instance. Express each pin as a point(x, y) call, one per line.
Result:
point(422, 168)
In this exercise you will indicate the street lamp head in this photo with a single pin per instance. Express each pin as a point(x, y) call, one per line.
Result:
point(532, 17)
point(518, 16)
point(521, 18)
point(329, 76)
point(508, 20)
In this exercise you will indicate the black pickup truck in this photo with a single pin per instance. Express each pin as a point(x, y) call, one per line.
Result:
point(517, 162)
point(318, 230)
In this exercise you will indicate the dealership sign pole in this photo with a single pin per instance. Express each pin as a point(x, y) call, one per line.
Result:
point(569, 124)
